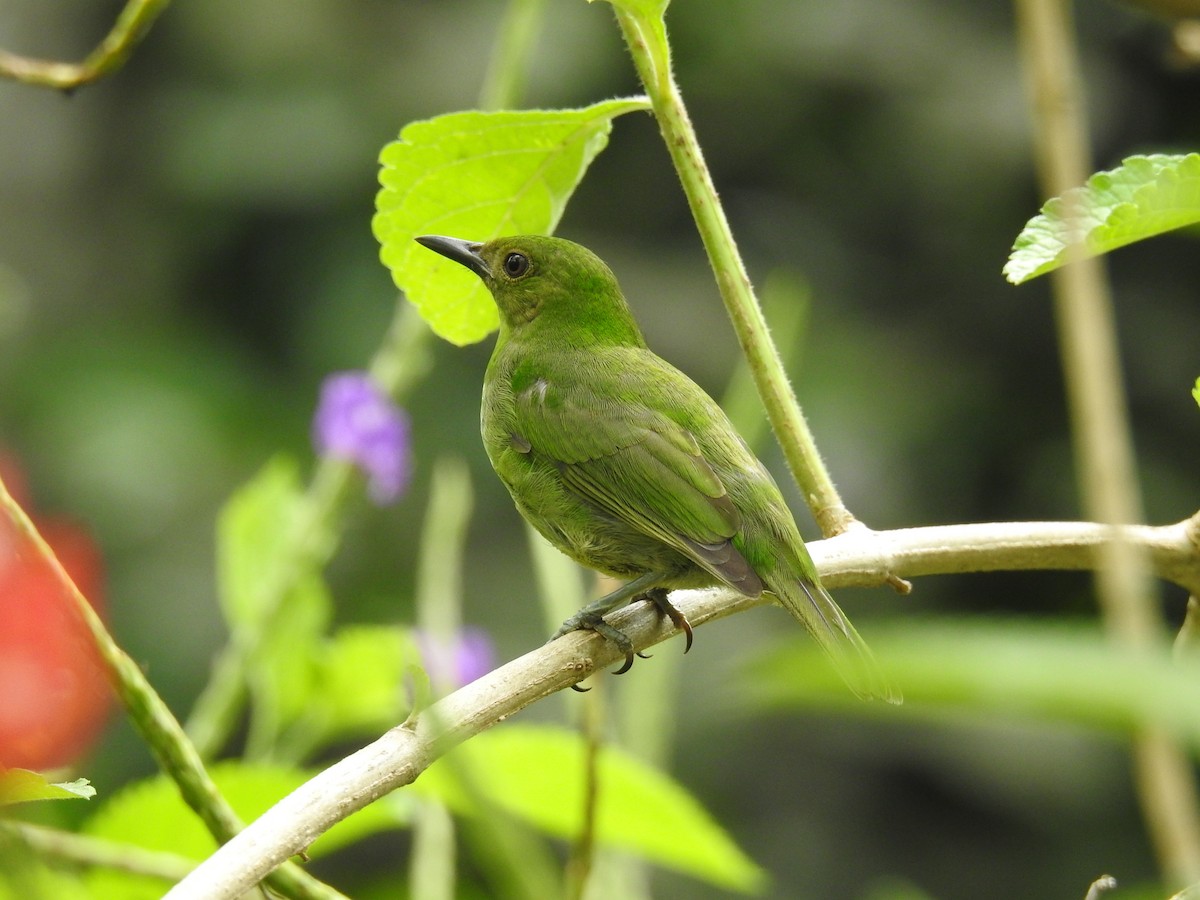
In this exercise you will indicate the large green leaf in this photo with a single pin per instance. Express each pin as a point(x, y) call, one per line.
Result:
point(478, 175)
point(1023, 669)
point(1144, 196)
point(537, 774)
point(150, 814)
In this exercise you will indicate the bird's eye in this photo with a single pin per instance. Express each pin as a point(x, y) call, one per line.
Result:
point(516, 265)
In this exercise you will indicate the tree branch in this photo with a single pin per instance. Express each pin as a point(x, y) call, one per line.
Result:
point(857, 557)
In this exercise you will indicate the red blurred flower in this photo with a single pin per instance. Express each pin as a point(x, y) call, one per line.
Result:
point(54, 695)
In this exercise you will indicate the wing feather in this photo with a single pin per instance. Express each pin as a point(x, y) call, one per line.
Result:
point(639, 465)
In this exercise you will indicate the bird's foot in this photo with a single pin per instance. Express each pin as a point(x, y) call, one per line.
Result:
point(658, 596)
point(591, 617)
point(588, 620)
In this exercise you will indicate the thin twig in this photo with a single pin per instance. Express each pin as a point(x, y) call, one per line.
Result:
point(131, 26)
point(1101, 885)
point(88, 850)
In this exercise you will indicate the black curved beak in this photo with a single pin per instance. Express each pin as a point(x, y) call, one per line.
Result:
point(464, 252)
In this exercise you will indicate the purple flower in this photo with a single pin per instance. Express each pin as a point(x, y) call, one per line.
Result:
point(355, 421)
point(459, 660)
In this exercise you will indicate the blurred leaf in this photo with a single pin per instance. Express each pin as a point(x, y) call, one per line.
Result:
point(536, 773)
point(30, 879)
point(1144, 196)
point(150, 814)
point(1033, 669)
point(477, 175)
point(359, 681)
point(252, 539)
point(283, 673)
point(24, 786)
point(253, 555)
point(1196, 392)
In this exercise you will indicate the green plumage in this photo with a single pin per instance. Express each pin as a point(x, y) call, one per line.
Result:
point(623, 462)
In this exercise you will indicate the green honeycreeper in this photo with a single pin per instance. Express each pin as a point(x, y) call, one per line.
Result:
point(623, 462)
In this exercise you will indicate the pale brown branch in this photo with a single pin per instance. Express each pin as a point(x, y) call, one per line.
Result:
point(858, 557)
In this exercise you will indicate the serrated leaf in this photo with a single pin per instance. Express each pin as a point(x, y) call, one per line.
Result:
point(1024, 669)
point(478, 175)
point(537, 774)
point(1143, 197)
point(24, 786)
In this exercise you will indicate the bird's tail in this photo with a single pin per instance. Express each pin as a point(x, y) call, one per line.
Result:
point(809, 602)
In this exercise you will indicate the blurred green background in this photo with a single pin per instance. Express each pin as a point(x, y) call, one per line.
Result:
point(185, 252)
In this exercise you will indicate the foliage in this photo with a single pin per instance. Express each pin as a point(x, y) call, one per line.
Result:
point(478, 175)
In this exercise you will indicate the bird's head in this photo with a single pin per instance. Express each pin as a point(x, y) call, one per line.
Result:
point(547, 285)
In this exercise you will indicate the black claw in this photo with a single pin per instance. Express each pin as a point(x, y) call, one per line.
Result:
point(678, 619)
point(684, 624)
point(581, 690)
point(584, 620)
point(642, 655)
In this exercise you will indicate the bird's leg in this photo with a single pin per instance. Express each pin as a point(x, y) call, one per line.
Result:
point(658, 596)
point(591, 616)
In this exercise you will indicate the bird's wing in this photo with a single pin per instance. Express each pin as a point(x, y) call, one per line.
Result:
point(617, 450)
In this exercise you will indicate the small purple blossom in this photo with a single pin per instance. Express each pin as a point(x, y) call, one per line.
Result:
point(355, 421)
point(456, 661)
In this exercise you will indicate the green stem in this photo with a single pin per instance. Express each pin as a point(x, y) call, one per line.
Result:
point(645, 34)
point(131, 26)
point(1100, 425)
point(94, 851)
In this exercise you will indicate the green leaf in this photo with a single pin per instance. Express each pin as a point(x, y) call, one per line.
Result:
point(283, 673)
point(254, 556)
point(359, 685)
point(537, 774)
point(28, 876)
point(478, 175)
point(1144, 196)
point(151, 815)
point(252, 540)
point(1196, 392)
point(1017, 668)
point(24, 786)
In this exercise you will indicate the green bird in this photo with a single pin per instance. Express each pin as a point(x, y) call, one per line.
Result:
point(623, 462)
